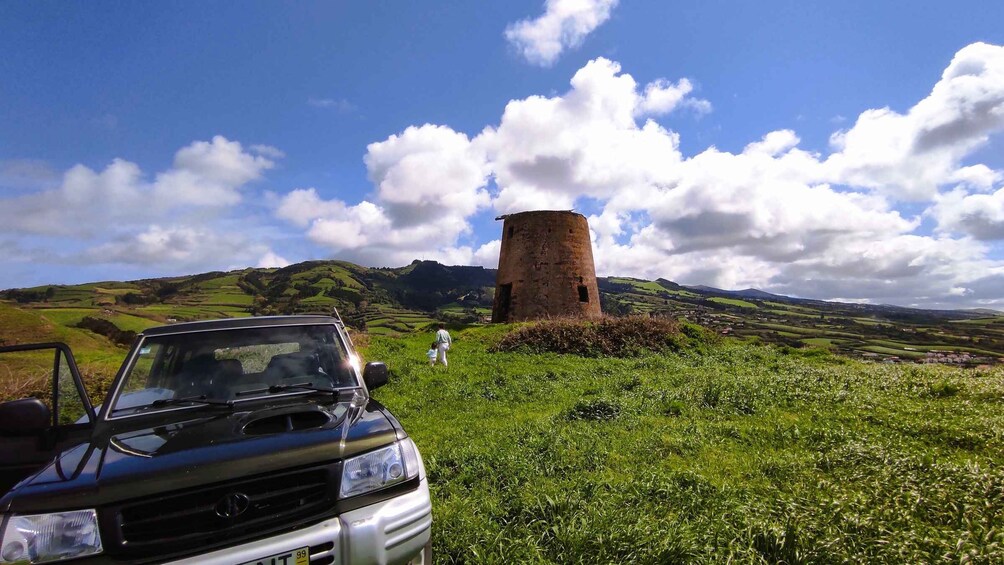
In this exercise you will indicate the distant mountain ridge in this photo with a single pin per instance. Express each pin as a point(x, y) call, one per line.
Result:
point(745, 293)
point(403, 299)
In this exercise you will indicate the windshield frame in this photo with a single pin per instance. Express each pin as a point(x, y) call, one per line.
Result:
point(107, 410)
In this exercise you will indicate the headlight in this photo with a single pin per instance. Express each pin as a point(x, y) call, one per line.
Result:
point(378, 469)
point(50, 537)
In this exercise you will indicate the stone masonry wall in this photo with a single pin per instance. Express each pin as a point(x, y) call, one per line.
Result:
point(547, 259)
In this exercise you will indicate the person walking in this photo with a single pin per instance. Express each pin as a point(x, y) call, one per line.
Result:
point(443, 342)
point(432, 354)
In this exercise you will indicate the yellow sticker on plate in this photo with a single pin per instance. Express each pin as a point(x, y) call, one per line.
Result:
point(296, 557)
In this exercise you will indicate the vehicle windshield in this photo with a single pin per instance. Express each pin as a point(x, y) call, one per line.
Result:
point(232, 365)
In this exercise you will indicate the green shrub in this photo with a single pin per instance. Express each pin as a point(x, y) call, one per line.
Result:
point(673, 407)
point(594, 410)
point(943, 389)
point(614, 337)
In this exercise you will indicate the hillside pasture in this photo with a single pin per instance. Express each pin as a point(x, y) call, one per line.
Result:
point(942, 347)
point(732, 302)
point(898, 352)
point(726, 452)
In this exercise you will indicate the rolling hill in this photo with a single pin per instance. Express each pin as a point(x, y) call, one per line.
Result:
point(405, 299)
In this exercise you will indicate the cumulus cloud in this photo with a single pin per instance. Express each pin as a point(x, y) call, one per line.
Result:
point(428, 172)
point(164, 223)
point(221, 163)
point(545, 153)
point(271, 260)
point(183, 247)
point(662, 96)
point(978, 215)
point(773, 215)
point(563, 25)
point(87, 202)
point(548, 152)
point(909, 156)
point(428, 181)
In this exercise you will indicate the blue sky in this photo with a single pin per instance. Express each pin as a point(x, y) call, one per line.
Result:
point(160, 139)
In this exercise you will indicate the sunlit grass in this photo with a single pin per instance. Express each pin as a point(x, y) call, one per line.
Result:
point(735, 452)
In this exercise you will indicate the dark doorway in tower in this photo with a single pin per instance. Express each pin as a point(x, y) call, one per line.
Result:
point(583, 293)
point(505, 296)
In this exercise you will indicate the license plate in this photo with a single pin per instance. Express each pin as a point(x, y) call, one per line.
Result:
point(296, 557)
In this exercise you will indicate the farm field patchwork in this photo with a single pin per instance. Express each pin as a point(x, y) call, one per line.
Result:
point(400, 300)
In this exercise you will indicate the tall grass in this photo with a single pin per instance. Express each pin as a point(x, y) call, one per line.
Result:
point(728, 452)
point(617, 337)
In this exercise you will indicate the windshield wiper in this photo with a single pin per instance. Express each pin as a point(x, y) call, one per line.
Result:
point(160, 402)
point(200, 399)
point(292, 386)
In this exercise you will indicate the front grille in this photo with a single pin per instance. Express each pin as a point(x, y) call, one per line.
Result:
point(200, 518)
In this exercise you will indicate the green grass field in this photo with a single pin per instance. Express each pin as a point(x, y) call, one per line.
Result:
point(932, 347)
point(787, 328)
point(732, 302)
point(898, 352)
point(819, 342)
point(981, 321)
point(645, 286)
point(726, 452)
point(735, 453)
point(73, 316)
point(795, 313)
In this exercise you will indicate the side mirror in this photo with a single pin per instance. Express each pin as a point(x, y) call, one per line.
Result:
point(375, 375)
point(25, 417)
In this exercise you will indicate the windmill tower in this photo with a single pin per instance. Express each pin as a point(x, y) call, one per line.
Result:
point(545, 268)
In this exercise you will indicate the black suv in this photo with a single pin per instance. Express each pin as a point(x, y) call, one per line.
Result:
point(238, 441)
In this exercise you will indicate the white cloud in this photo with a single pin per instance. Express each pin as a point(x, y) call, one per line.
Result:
point(563, 25)
point(428, 181)
point(119, 215)
point(978, 215)
point(909, 156)
point(221, 162)
point(772, 216)
point(545, 153)
point(428, 173)
point(268, 151)
point(548, 152)
point(340, 104)
point(662, 97)
point(182, 247)
point(271, 260)
point(488, 254)
point(303, 205)
point(87, 202)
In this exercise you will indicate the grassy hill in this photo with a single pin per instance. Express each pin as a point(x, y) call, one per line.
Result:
point(722, 452)
point(401, 300)
point(393, 299)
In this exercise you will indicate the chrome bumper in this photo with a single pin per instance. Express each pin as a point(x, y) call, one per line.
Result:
point(389, 532)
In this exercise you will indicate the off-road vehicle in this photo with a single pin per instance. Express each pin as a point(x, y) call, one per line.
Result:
point(237, 441)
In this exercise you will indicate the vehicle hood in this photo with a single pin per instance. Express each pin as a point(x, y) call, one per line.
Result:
point(201, 448)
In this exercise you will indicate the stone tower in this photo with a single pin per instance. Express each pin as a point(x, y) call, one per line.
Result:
point(545, 268)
